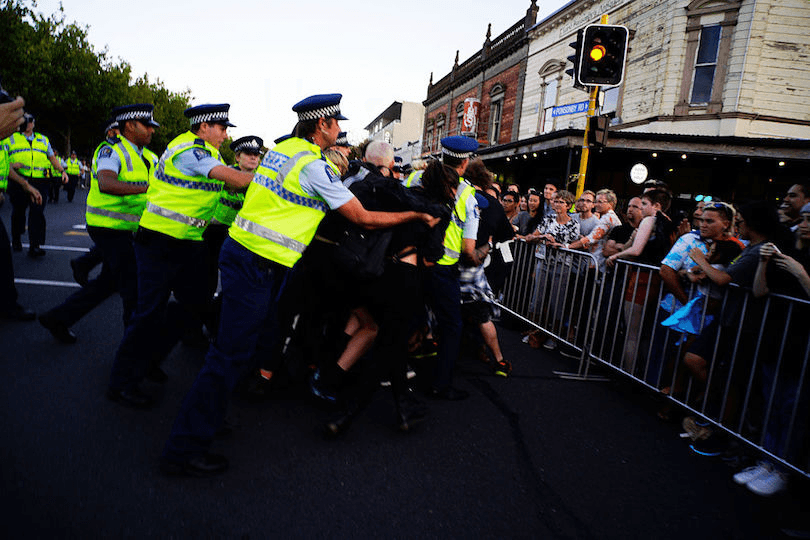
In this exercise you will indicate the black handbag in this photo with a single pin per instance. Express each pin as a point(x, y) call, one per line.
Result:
point(360, 253)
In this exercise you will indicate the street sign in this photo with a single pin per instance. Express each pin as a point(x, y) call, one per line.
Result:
point(572, 108)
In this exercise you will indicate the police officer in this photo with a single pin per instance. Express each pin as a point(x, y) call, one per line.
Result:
point(84, 264)
point(248, 151)
point(11, 114)
point(32, 156)
point(171, 257)
point(442, 288)
point(74, 169)
point(115, 203)
point(290, 193)
point(342, 144)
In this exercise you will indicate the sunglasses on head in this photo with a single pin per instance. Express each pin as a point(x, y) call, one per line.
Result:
point(726, 210)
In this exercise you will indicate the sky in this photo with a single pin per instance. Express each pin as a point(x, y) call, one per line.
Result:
point(263, 57)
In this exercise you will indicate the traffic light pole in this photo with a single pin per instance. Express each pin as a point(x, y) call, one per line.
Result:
point(586, 150)
point(583, 160)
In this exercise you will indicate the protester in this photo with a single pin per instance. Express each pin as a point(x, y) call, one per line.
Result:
point(477, 296)
point(651, 243)
point(548, 295)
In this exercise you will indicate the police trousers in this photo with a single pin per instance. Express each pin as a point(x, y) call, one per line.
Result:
point(251, 287)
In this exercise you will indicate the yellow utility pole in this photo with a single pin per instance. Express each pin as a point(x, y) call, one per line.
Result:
point(583, 160)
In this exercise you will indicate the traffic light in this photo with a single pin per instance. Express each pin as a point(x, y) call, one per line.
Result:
point(603, 49)
point(574, 59)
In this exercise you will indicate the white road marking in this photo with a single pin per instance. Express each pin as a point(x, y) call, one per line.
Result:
point(61, 248)
point(24, 281)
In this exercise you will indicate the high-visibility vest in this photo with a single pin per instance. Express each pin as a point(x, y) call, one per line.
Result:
point(455, 229)
point(179, 205)
point(5, 164)
point(278, 218)
point(120, 212)
point(33, 155)
point(414, 179)
point(229, 204)
point(74, 167)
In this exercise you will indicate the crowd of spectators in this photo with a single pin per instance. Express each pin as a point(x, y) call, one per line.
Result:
point(709, 307)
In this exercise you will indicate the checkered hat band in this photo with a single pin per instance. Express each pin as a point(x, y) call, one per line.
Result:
point(247, 145)
point(459, 155)
point(219, 116)
point(314, 114)
point(134, 115)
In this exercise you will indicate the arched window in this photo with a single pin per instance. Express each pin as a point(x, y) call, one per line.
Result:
point(550, 77)
point(440, 127)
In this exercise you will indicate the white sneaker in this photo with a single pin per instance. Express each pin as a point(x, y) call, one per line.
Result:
point(525, 338)
point(768, 484)
point(550, 344)
point(752, 473)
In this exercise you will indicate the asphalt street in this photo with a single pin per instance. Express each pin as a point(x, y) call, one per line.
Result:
point(532, 456)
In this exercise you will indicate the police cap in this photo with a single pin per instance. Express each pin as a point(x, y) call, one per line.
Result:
point(110, 124)
point(137, 111)
point(319, 106)
point(343, 140)
point(250, 144)
point(459, 147)
point(210, 113)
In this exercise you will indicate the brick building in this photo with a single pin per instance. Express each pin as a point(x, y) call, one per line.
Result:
point(495, 77)
point(716, 98)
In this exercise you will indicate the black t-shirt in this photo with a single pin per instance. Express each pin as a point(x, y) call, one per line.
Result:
point(493, 221)
point(660, 241)
point(621, 233)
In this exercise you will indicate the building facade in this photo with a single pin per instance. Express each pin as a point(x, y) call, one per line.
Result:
point(400, 124)
point(494, 78)
point(716, 95)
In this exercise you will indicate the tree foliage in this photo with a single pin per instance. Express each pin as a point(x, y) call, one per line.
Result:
point(70, 86)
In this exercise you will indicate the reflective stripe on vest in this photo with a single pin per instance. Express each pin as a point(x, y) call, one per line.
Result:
point(112, 214)
point(414, 179)
point(236, 205)
point(276, 185)
point(176, 216)
point(269, 234)
point(453, 236)
point(188, 184)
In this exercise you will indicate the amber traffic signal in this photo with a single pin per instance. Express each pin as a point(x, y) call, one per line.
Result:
point(603, 50)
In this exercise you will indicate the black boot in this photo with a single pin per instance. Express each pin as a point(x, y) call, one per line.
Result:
point(340, 423)
point(409, 410)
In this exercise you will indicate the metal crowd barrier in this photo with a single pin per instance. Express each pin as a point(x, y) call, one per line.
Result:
point(553, 290)
point(753, 381)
